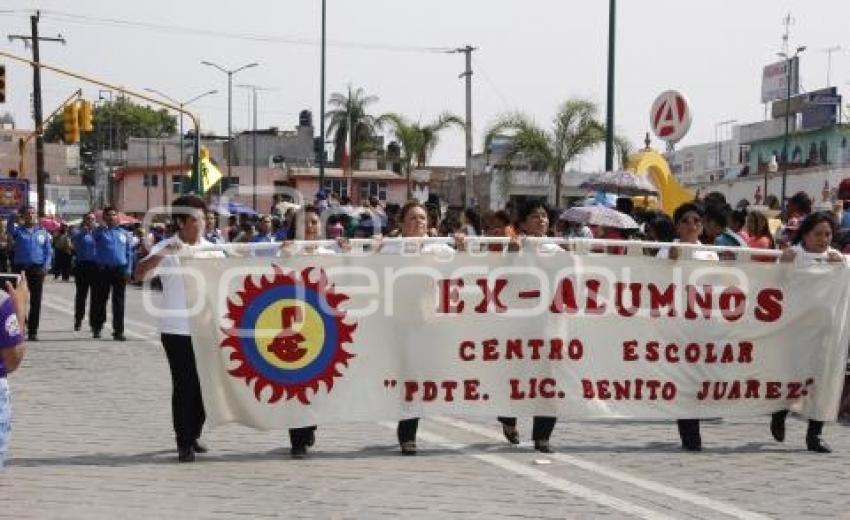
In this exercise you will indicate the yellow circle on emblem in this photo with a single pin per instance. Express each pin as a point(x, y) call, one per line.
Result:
point(289, 334)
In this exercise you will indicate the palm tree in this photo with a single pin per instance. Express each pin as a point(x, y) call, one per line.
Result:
point(417, 140)
point(624, 149)
point(575, 131)
point(349, 109)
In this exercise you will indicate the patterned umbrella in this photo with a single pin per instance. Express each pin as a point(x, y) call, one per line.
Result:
point(599, 216)
point(621, 183)
point(50, 224)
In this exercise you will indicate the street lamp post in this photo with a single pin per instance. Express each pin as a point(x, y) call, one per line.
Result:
point(609, 115)
point(230, 73)
point(182, 104)
point(789, 60)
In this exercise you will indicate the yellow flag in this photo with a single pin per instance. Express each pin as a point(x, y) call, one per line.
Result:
point(210, 174)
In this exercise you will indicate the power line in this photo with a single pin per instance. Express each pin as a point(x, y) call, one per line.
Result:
point(115, 22)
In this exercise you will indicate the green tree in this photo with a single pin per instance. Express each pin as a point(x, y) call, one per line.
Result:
point(115, 122)
point(575, 131)
point(417, 140)
point(350, 109)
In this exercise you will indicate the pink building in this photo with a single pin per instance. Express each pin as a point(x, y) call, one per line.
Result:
point(138, 189)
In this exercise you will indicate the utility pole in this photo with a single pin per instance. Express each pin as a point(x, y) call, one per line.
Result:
point(469, 187)
point(829, 51)
point(148, 178)
point(609, 116)
point(254, 89)
point(34, 40)
point(322, 105)
point(165, 176)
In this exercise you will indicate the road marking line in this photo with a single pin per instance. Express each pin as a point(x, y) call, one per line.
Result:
point(58, 300)
point(649, 485)
point(541, 477)
point(127, 332)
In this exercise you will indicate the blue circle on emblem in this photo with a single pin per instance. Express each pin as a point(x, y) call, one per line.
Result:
point(249, 319)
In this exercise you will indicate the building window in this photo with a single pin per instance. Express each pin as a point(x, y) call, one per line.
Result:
point(338, 186)
point(150, 180)
point(179, 184)
point(373, 189)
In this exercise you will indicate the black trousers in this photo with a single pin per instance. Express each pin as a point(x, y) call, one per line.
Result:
point(62, 265)
point(35, 281)
point(4, 261)
point(542, 429)
point(407, 430)
point(187, 405)
point(815, 427)
point(298, 437)
point(688, 428)
point(85, 276)
point(109, 280)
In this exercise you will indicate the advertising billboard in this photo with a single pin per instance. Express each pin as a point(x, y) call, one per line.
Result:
point(14, 194)
point(774, 80)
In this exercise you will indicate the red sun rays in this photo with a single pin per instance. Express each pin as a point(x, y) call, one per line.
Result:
point(236, 344)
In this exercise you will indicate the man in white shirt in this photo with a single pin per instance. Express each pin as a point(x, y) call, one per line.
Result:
point(186, 403)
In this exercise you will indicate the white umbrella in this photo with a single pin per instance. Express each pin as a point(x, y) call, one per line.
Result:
point(599, 216)
point(620, 182)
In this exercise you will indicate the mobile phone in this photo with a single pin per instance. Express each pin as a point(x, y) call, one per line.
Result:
point(8, 277)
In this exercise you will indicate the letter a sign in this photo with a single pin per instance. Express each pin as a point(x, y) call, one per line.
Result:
point(670, 116)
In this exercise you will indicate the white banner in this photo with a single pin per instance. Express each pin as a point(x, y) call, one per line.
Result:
point(318, 339)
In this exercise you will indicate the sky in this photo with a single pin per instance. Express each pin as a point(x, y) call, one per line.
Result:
point(532, 56)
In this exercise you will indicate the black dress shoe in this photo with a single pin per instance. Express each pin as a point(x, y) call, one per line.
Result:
point(817, 445)
point(119, 337)
point(77, 326)
point(692, 443)
point(95, 334)
point(408, 448)
point(777, 427)
point(199, 447)
point(511, 433)
point(311, 439)
point(298, 452)
point(542, 446)
point(32, 336)
point(186, 454)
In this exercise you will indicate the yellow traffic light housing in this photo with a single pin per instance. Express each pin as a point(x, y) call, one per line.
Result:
point(2, 83)
point(86, 123)
point(72, 128)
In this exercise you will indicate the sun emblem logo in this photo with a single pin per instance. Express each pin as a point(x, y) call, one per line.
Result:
point(287, 334)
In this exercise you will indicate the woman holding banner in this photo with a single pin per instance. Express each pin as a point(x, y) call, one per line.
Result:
point(688, 219)
point(414, 224)
point(811, 245)
point(187, 406)
point(302, 438)
point(533, 220)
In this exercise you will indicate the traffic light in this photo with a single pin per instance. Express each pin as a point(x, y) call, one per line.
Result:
point(2, 83)
point(72, 128)
point(87, 165)
point(86, 124)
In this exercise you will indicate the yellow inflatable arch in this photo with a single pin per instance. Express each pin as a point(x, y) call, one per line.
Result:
point(652, 164)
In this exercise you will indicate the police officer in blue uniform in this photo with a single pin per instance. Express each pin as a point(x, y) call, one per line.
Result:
point(33, 252)
point(114, 261)
point(85, 269)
